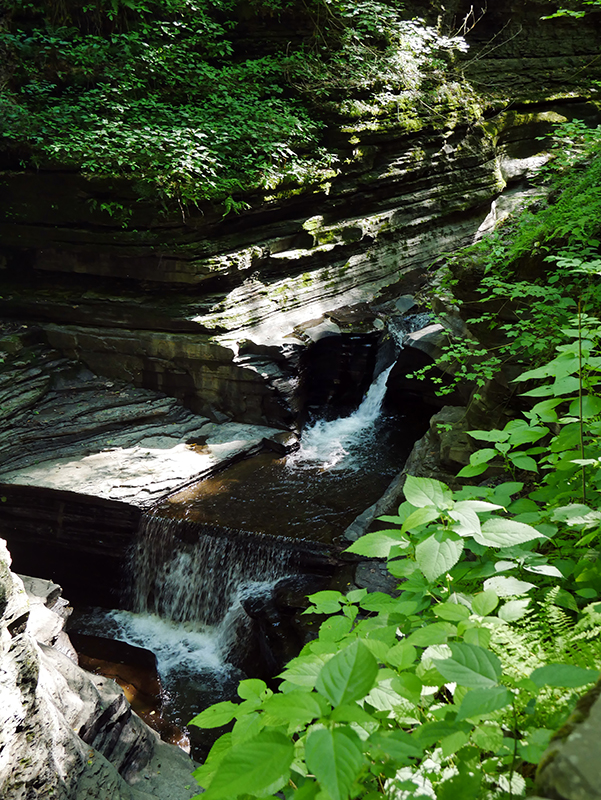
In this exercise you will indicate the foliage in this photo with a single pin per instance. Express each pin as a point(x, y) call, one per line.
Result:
point(453, 686)
point(169, 92)
point(519, 320)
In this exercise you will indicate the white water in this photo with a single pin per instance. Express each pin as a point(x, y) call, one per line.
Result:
point(337, 443)
point(198, 582)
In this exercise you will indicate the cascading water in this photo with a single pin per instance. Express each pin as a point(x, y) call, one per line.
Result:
point(197, 582)
point(338, 443)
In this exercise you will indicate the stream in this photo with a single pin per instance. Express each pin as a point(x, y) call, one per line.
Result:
point(216, 560)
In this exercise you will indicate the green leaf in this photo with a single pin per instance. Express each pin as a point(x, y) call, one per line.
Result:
point(489, 436)
point(472, 471)
point(377, 545)
point(591, 407)
point(514, 610)
point(499, 532)
point(563, 675)
point(488, 736)
point(351, 712)
point(296, 706)
point(470, 666)
point(304, 670)
point(256, 766)
point(252, 689)
point(507, 586)
point(484, 701)
point(396, 745)
point(421, 492)
point(464, 785)
point(348, 676)
point(335, 628)
point(335, 758)
point(452, 612)
point(522, 461)
point(421, 516)
point(468, 522)
point(437, 554)
point(434, 633)
point(402, 655)
point(485, 603)
point(216, 715)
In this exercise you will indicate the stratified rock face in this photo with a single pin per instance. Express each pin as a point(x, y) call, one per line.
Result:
point(65, 733)
point(216, 311)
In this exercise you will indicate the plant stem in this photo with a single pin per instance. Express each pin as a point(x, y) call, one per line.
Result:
point(580, 400)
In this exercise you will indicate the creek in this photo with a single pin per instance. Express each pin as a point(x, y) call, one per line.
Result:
point(218, 570)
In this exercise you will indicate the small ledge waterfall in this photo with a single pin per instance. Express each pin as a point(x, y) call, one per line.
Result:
point(337, 443)
point(197, 582)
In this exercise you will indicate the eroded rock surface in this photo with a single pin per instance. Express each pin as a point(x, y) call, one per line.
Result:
point(65, 733)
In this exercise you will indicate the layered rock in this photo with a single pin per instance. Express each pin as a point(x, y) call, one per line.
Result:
point(65, 733)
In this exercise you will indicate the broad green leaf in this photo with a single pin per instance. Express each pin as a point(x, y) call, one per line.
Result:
point(296, 706)
point(351, 712)
point(247, 727)
point(303, 670)
point(563, 675)
point(498, 532)
point(256, 766)
point(252, 689)
point(434, 633)
point(408, 685)
point(452, 612)
point(378, 601)
point(348, 676)
point(384, 697)
point(402, 655)
point(489, 436)
point(477, 505)
point(488, 736)
point(470, 666)
point(335, 628)
point(421, 492)
point(565, 600)
point(335, 758)
point(432, 732)
point(204, 774)
point(453, 742)
point(216, 715)
point(482, 456)
point(463, 785)
point(485, 603)
point(435, 557)
point(484, 701)
point(328, 601)
point(421, 516)
point(507, 586)
point(527, 434)
point(377, 545)
point(591, 407)
point(396, 745)
point(514, 610)
point(533, 747)
point(543, 569)
point(522, 461)
point(467, 521)
point(472, 470)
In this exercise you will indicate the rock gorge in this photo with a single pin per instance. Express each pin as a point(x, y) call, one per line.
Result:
point(139, 359)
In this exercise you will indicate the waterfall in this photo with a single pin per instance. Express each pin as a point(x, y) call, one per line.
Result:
point(331, 443)
point(198, 582)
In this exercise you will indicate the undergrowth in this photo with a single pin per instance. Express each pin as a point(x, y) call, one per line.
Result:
point(206, 99)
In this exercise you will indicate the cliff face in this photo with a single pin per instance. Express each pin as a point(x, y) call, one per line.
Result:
point(218, 312)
